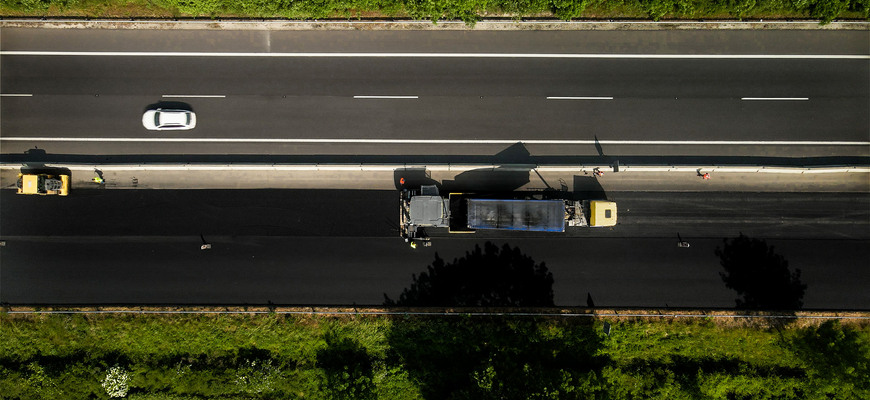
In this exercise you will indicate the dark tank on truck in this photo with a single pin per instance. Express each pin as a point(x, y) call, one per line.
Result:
point(470, 212)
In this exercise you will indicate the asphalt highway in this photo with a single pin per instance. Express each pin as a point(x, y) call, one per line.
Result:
point(695, 97)
point(407, 89)
point(336, 247)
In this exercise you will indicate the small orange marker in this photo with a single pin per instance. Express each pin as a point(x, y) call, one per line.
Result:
point(401, 181)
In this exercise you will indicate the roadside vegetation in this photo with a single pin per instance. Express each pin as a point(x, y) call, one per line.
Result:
point(469, 11)
point(273, 355)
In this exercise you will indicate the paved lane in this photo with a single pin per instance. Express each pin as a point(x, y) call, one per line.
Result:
point(339, 247)
point(347, 271)
point(479, 98)
point(366, 213)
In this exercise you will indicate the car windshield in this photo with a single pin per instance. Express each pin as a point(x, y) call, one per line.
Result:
point(157, 119)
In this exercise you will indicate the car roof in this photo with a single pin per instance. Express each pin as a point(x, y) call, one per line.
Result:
point(173, 117)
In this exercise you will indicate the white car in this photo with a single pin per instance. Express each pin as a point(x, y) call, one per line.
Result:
point(168, 120)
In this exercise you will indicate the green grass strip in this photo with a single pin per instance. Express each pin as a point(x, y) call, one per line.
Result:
point(287, 356)
point(469, 11)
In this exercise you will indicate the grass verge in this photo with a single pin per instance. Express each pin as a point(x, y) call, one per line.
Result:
point(469, 11)
point(273, 355)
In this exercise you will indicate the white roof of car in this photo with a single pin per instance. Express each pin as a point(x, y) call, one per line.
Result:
point(173, 117)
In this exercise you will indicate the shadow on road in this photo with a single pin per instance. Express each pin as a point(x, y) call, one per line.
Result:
point(490, 357)
point(510, 156)
point(587, 187)
point(488, 277)
point(760, 276)
point(169, 105)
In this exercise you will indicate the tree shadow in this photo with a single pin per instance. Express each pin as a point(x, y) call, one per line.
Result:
point(488, 277)
point(497, 357)
point(759, 275)
point(688, 371)
point(501, 357)
point(348, 369)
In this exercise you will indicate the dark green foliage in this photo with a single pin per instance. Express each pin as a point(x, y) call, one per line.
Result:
point(348, 369)
point(568, 9)
point(469, 11)
point(860, 6)
point(496, 358)
point(827, 10)
point(835, 353)
point(490, 277)
point(38, 7)
point(760, 275)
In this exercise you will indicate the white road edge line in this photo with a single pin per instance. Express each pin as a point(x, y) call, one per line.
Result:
point(439, 141)
point(578, 98)
point(195, 95)
point(386, 97)
point(16, 95)
point(774, 98)
point(432, 55)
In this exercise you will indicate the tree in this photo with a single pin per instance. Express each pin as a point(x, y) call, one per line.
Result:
point(483, 278)
point(759, 275)
point(838, 355)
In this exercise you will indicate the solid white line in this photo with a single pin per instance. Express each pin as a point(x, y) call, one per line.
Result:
point(775, 98)
point(386, 97)
point(195, 95)
point(577, 98)
point(439, 141)
point(16, 95)
point(432, 55)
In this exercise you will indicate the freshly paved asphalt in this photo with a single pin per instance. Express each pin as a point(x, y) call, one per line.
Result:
point(459, 98)
point(341, 248)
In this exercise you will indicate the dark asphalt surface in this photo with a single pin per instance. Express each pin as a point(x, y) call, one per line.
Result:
point(340, 248)
point(502, 98)
point(355, 213)
point(459, 99)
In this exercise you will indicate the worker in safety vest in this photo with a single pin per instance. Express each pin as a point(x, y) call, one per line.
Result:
point(98, 179)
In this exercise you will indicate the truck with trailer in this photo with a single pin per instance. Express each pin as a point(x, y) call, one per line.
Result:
point(470, 212)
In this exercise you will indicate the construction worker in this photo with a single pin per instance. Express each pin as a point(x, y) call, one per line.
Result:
point(413, 244)
point(706, 176)
point(98, 179)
